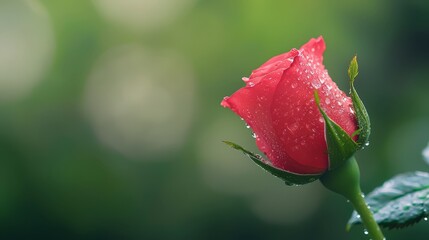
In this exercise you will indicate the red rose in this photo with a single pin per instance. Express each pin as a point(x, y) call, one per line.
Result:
point(278, 104)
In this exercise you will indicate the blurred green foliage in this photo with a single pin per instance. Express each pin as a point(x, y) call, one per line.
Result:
point(67, 172)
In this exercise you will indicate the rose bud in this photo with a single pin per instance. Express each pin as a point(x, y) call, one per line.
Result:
point(278, 103)
point(306, 126)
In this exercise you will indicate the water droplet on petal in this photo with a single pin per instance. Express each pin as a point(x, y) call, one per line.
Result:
point(293, 127)
point(316, 84)
point(321, 119)
point(294, 85)
point(327, 101)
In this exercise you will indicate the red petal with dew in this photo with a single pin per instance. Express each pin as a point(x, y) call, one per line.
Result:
point(297, 122)
point(253, 104)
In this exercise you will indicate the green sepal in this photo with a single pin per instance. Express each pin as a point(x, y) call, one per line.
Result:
point(288, 177)
point(360, 110)
point(341, 146)
point(399, 202)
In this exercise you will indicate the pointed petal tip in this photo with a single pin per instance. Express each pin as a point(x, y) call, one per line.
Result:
point(315, 45)
point(225, 103)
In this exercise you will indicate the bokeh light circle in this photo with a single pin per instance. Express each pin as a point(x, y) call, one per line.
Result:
point(142, 15)
point(140, 101)
point(26, 46)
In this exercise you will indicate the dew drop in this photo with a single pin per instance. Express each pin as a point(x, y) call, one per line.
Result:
point(358, 216)
point(247, 126)
point(245, 79)
point(367, 144)
point(254, 135)
point(321, 119)
point(425, 218)
point(294, 85)
point(365, 232)
point(327, 101)
point(251, 84)
point(293, 127)
point(316, 84)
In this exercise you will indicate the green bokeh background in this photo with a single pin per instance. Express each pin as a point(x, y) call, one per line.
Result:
point(61, 179)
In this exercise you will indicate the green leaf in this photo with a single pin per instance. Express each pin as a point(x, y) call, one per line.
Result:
point(288, 177)
point(340, 145)
point(399, 202)
point(360, 110)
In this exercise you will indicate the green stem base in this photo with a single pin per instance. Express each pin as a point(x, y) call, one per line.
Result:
point(345, 180)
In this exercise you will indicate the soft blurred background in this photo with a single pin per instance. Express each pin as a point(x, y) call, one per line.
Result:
point(111, 128)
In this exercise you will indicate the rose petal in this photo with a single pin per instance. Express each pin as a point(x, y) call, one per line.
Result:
point(296, 119)
point(282, 61)
point(315, 49)
point(253, 104)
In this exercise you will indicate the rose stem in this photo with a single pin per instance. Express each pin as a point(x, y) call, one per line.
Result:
point(345, 180)
point(366, 216)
